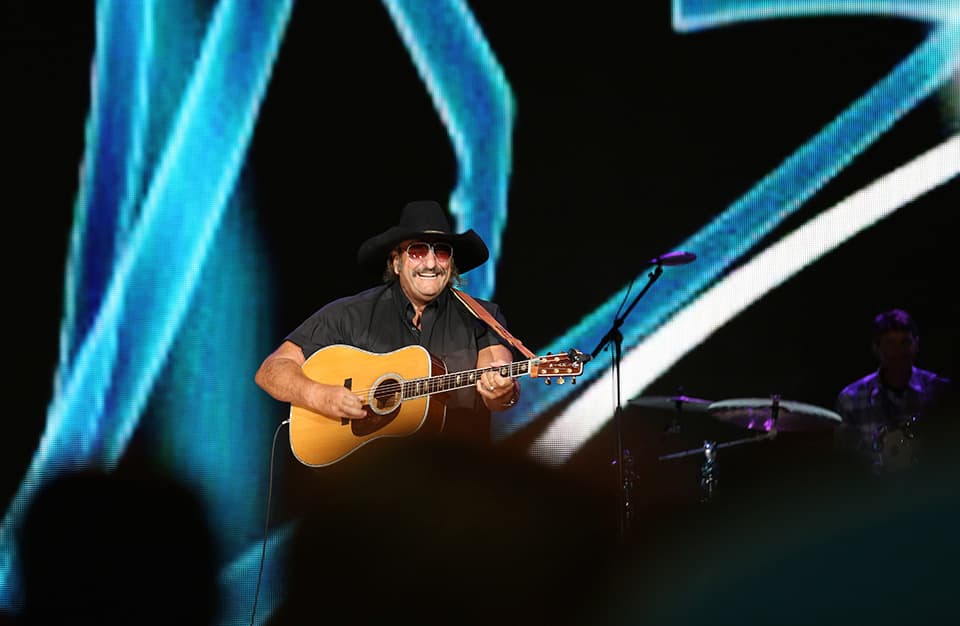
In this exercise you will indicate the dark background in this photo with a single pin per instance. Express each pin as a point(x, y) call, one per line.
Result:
point(629, 137)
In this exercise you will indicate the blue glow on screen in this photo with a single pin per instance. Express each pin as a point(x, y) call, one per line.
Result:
point(142, 238)
point(162, 208)
point(737, 230)
point(475, 103)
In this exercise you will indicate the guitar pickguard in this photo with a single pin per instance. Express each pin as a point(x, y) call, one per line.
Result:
point(373, 422)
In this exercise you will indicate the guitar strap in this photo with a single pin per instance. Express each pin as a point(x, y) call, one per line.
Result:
point(478, 311)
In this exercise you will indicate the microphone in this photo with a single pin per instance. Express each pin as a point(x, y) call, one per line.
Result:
point(678, 257)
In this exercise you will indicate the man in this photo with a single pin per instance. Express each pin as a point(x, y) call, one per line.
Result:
point(882, 410)
point(414, 306)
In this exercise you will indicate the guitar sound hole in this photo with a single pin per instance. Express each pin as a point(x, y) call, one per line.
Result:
point(383, 408)
point(387, 395)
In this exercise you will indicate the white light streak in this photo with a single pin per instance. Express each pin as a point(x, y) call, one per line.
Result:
point(772, 267)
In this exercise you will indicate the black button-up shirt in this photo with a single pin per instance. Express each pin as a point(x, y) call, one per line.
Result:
point(380, 320)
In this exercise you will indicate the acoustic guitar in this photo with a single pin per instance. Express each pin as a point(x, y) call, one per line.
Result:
point(397, 389)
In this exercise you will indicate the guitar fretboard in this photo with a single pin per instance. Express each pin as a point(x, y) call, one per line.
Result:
point(419, 387)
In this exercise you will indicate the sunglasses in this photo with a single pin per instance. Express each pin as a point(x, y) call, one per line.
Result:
point(418, 251)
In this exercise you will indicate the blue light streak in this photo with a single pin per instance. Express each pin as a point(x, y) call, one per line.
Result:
point(475, 103)
point(139, 303)
point(736, 231)
point(694, 15)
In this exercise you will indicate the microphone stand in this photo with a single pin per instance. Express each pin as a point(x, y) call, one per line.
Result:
point(614, 335)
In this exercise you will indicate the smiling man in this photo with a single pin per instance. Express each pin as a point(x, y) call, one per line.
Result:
point(349, 370)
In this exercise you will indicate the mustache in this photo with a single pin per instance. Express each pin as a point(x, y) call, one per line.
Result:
point(436, 272)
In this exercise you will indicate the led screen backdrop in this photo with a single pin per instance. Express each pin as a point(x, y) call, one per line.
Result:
point(187, 181)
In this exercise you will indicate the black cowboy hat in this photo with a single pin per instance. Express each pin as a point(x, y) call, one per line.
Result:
point(424, 220)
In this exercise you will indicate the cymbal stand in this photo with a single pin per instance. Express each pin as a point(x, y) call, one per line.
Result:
point(624, 480)
point(708, 470)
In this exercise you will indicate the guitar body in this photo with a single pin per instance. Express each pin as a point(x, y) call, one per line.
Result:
point(318, 440)
point(395, 388)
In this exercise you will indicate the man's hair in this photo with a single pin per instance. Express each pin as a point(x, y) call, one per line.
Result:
point(389, 276)
point(893, 320)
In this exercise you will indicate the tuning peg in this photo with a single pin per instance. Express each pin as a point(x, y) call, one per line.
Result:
point(546, 381)
point(560, 381)
point(573, 380)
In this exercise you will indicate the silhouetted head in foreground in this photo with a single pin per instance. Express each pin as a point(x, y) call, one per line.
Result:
point(117, 548)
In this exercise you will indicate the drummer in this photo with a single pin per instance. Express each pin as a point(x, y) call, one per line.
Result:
point(882, 410)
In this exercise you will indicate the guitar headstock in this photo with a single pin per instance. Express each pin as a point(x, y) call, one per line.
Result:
point(559, 366)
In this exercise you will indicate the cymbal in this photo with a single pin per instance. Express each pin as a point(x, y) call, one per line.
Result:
point(674, 403)
point(758, 414)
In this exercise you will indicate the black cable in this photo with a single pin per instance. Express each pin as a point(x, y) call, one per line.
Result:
point(266, 522)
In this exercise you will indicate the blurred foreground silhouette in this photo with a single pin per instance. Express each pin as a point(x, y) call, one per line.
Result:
point(127, 547)
point(436, 533)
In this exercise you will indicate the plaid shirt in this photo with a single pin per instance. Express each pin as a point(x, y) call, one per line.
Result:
point(870, 411)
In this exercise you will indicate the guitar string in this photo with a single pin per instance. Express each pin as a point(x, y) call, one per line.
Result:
point(406, 384)
point(517, 370)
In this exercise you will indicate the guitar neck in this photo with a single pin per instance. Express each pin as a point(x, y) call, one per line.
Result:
point(429, 385)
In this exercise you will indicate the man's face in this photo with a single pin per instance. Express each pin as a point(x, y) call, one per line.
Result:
point(897, 349)
point(423, 269)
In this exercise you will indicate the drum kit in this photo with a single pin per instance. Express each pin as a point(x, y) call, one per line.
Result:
point(764, 416)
